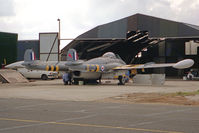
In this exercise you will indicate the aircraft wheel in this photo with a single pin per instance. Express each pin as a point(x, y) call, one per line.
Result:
point(190, 76)
point(65, 83)
point(76, 81)
point(121, 80)
point(44, 77)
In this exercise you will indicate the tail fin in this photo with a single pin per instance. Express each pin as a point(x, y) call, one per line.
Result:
point(72, 55)
point(29, 55)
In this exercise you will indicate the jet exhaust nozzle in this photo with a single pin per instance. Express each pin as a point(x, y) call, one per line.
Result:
point(184, 64)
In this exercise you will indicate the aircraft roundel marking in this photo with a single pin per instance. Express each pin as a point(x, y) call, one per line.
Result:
point(102, 68)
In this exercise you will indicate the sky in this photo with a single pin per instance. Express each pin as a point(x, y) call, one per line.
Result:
point(28, 18)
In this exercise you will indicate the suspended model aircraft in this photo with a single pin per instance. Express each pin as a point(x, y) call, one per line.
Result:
point(96, 68)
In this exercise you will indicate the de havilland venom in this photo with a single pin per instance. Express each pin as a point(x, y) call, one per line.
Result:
point(96, 68)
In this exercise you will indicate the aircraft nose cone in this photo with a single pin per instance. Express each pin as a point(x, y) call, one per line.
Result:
point(184, 64)
point(8, 66)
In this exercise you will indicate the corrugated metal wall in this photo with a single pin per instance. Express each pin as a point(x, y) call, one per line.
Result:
point(168, 28)
point(117, 29)
point(48, 43)
point(23, 45)
point(156, 27)
point(185, 30)
point(8, 47)
point(167, 51)
point(90, 34)
point(132, 23)
point(149, 24)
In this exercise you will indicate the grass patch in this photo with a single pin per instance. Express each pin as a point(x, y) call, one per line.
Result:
point(183, 94)
point(187, 93)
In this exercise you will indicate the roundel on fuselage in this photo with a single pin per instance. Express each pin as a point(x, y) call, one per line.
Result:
point(102, 68)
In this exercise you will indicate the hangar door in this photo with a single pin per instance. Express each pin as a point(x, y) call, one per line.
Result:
point(49, 48)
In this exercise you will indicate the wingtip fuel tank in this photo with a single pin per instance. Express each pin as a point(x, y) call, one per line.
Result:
point(183, 64)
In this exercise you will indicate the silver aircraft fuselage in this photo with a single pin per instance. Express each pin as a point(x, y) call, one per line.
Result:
point(92, 69)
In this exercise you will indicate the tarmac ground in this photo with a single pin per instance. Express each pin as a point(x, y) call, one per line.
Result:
point(49, 106)
point(44, 116)
point(55, 90)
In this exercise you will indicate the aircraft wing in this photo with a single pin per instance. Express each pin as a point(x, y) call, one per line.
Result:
point(179, 65)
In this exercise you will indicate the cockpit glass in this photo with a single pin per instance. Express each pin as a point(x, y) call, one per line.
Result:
point(117, 56)
point(109, 54)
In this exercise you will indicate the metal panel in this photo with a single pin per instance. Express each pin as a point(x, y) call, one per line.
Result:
point(191, 48)
point(149, 79)
point(49, 48)
point(132, 23)
point(28, 44)
point(185, 30)
point(150, 24)
point(194, 48)
point(52, 57)
point(90, 34)
point(8, 48)
point(115, 29)
point(161, 48)
point(168, 28)
point(187, 48)
point(175, 48)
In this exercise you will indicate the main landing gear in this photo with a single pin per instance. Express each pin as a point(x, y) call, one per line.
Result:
point(122, 80)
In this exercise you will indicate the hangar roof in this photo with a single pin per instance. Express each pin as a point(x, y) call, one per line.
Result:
point(138, 31)
point(157, 27)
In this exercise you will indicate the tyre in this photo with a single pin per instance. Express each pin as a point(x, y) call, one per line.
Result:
point(190, 77)
point(44, 77)
point(121, 80)
point(76, 81)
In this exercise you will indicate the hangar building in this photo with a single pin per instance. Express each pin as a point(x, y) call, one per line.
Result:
point(8, 48)
point(139, 39)
point(12, 49)
point(22, 45)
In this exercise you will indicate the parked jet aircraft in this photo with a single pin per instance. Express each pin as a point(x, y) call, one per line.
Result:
point(30, 74)
point(96, 68)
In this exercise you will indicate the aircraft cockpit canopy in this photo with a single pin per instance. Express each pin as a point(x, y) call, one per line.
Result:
point(109, 54)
